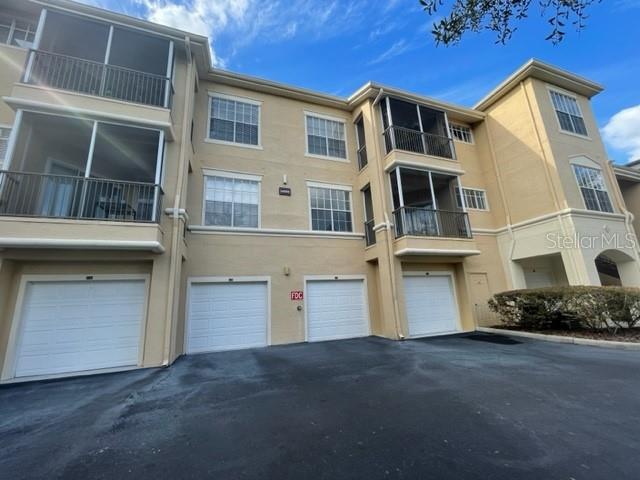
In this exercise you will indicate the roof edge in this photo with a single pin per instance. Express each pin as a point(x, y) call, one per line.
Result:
point(544, 71)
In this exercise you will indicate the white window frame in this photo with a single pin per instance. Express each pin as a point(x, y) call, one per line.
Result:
point(330, 186)
point(452, 126)
point(465, 204)
point(343, 121)
point(6, 126)
point(606, 189)
point(12, 30)
point(550, 89)
point(208, 172)
point(258, 103)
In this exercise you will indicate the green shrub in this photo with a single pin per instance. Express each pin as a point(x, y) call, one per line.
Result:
point(594, 308)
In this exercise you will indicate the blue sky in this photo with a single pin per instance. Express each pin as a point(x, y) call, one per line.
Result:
point(335, 46)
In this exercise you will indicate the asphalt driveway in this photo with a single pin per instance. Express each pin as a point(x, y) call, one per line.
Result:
point(457, 407)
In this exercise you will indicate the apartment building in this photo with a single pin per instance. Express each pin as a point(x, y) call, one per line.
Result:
point(153, 206)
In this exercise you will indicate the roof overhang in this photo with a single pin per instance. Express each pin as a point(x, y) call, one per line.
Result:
point(545, 72)
point(626, 173)
point(267, 86)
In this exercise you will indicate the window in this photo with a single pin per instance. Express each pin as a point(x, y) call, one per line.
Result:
point(330, 209)
point(593, 189)
point(461, 133)
point(234, 121)
point(326, 137)
point(4, 142)
point(473, 198)
point(232, 200)
point(362, 147)
point(369, 232)
point(17, 32)
point(569, 114)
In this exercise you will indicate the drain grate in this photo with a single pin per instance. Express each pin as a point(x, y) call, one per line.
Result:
point(499, 339)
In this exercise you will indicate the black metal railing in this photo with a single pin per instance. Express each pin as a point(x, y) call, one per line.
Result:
point(362, 157)
point(95, 78)
point(369, 233)
point(399, 138)
point(25, 194)
point(427, 222)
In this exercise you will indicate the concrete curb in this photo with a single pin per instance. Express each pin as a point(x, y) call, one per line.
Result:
point(560, 339)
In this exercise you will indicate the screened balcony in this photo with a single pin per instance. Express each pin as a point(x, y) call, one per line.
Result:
point(94, 58)
point(63, 167)
point(425, 205)
point(415, 128)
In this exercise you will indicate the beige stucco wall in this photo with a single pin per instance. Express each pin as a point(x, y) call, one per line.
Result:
point(526, 183)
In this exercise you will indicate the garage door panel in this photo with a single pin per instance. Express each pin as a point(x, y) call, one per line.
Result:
point(79, 325)
point(430, 305)
point(227, 316)
point(336, 309)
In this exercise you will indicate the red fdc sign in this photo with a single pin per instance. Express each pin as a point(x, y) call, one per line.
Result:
point(296, 295)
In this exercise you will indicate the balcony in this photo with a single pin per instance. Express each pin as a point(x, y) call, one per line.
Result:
point(99, 79)
point(414, 141)
point(69, 168)
point(72, 182)
point(25, 194)
point(90, 57)
point(417, 129)
point(426, 222)
point(428, 216)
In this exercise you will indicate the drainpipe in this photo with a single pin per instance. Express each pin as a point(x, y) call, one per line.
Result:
point(177, 211)
point(388, 226)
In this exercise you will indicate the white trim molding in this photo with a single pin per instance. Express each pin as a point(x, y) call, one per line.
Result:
point(72, 243)
point(436, 252)
point(272, 232)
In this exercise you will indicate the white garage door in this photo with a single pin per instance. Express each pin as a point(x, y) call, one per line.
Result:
point(79, 325)
point(227, 316)
point(336, 309)
point(430, 305)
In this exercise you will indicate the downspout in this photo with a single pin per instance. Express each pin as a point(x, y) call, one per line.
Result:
point(388, 225)
point(547, 171)
point(176, 214)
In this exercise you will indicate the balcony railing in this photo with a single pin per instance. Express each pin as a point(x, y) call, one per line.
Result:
point(426, 222)
point(59, 196)
point(95, 78)
point(399, 138)
point(369, 233)
point(362, 157)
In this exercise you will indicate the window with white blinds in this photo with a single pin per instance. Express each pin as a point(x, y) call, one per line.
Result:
point(231, 201)
point(568, 112)
point(234, 121)
point(594, 192)
point(330, 209)
point(326, 137)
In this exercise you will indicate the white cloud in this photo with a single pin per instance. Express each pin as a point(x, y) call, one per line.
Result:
point(398, 48)
point(622, 132)
point(203, 17)
point(242, 22)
